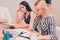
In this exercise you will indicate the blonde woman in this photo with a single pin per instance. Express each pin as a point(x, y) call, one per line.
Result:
point(44, 21)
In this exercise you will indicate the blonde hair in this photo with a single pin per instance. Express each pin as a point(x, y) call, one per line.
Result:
point(44, 6)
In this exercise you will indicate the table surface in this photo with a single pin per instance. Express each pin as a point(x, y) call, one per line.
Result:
point(3, 27)
point(16, 32)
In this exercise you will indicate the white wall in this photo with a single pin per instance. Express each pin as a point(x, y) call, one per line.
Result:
point(57, 11)
point(12, 5)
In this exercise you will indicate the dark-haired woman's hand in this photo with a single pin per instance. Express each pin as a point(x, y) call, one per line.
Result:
point(18, 10)
point(17, 17)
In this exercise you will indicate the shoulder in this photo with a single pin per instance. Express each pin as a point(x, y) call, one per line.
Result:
point(32, 14)
point(51, 18)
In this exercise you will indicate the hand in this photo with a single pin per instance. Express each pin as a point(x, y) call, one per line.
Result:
point(41, 37)
point(18, 10)
point(30, 29)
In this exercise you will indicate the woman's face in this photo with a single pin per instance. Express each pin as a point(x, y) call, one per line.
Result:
point(38, 10)
point(22, 8)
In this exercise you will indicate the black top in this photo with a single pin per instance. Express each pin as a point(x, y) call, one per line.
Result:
point(27, 20)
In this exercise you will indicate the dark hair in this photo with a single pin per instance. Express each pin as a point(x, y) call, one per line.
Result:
point(37, 2)
point(48, 1)
point(26, 5)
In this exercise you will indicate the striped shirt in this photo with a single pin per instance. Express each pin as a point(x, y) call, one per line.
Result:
point(47, 27)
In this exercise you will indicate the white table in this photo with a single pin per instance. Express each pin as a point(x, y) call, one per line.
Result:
point(27, 33)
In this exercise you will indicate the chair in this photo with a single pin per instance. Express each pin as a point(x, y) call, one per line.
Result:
point(58, 33)
point(5, 14)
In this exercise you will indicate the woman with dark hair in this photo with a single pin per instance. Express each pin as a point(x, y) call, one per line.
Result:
point(27, 15)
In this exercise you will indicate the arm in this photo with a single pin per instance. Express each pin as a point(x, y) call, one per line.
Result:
point(17, 17)
point(22, 25)
point(52, 28)
point(37, 33)
point(19, 23)
point(32, 20)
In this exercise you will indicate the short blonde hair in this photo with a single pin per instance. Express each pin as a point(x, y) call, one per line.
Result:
point(44, 6)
